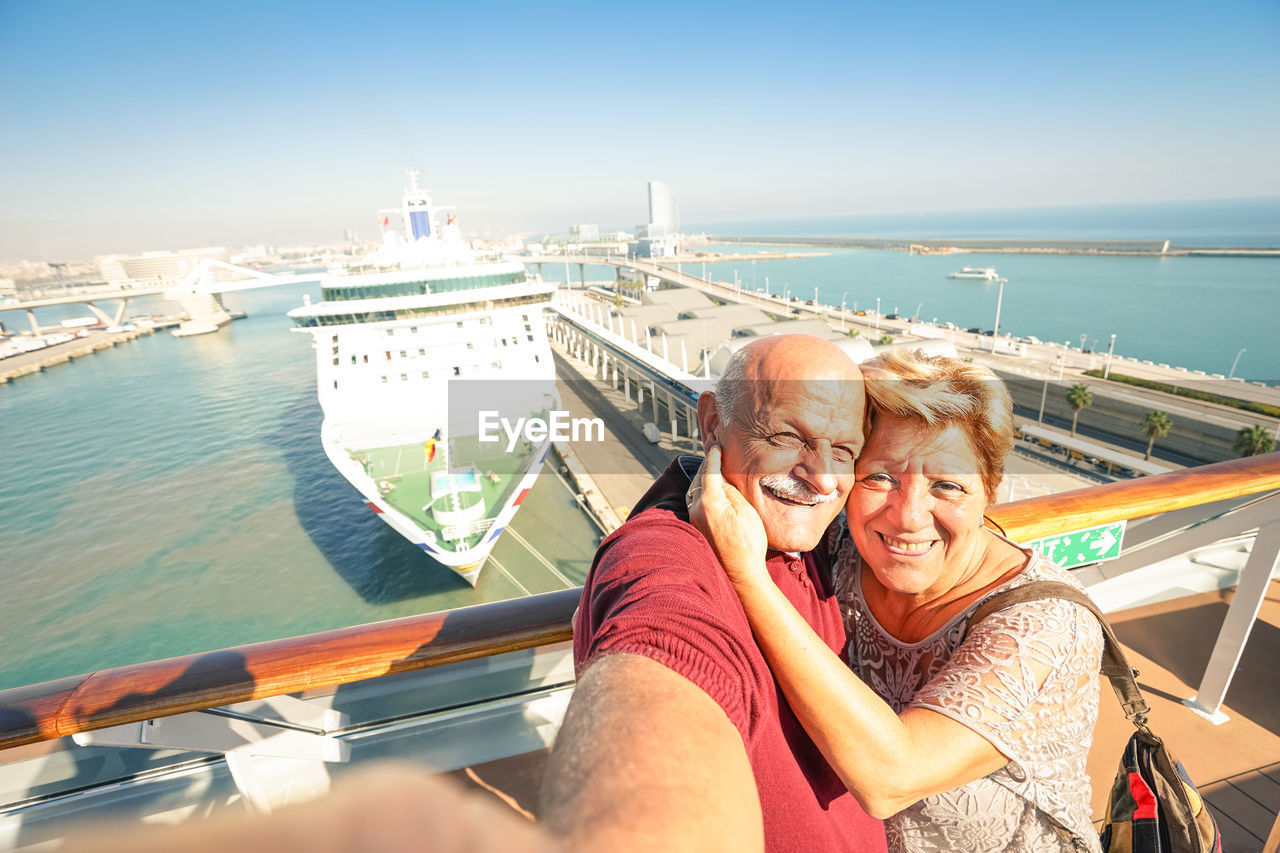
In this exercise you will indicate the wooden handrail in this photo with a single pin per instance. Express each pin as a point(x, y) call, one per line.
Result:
point(161, 688)
point(194, 682)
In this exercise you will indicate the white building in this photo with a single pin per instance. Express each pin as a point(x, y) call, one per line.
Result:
point(156, 268)
point(662, 210)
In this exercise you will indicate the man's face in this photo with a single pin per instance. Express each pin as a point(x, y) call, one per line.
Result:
point(790, 450)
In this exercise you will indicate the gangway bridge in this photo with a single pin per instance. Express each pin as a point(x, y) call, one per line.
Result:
point(197, 292)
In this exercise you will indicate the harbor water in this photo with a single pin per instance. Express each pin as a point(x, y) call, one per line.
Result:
point(171, 496)
point(1193, 312)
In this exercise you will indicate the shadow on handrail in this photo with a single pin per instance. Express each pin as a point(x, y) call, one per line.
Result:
point(195, 682)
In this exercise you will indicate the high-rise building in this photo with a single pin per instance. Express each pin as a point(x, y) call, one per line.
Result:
point(662, 208)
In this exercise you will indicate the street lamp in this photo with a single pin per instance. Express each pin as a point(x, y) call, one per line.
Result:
point(1234, 363)
point(996, 331)
point(766, 285)
point(753, 276)
point(1044, 392)
point(877, 313)
point(1106, 371)
point(843, 296)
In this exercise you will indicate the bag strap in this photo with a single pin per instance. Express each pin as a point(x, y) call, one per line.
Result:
point(1114, 664)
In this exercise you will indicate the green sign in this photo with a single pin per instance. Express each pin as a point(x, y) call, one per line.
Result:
point(1081, 547)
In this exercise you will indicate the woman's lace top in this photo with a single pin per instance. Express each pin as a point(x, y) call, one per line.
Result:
point(1025, 679)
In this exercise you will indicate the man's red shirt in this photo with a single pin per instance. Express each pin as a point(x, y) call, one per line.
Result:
point(656, 589)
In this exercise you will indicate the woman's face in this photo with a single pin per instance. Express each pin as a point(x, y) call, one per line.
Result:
point(915, 511)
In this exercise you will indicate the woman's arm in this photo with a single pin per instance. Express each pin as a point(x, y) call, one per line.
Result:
point(888, 761)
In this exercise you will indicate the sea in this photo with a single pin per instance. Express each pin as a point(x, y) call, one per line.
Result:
point(1193, 312)
point(171, 496)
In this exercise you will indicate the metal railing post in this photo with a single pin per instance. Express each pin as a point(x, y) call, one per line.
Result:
point(1255, 579)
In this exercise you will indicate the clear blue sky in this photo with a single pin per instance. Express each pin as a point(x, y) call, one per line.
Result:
point(131, 126)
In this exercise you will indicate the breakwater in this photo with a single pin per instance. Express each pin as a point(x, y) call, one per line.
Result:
point(943, 246)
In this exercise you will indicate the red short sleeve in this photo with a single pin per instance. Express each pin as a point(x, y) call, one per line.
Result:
point(657, 590)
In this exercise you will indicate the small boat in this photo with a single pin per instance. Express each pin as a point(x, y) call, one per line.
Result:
point(981, 273)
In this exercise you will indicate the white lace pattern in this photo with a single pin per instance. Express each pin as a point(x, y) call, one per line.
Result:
point(1026, 679)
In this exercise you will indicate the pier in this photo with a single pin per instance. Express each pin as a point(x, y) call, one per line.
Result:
point(1203, 431)
point(37, 361)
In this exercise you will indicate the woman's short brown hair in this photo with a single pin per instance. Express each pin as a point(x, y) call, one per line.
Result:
point(942, 392)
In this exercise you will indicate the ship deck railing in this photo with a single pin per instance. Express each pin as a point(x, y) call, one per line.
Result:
point(485, 687)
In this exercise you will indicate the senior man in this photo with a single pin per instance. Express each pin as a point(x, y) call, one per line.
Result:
point(677, 736)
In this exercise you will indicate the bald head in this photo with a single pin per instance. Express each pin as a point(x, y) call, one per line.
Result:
point(787, 415)
point(779, 358)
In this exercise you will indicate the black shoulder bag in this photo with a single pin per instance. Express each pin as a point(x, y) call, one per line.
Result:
point(1153, 807)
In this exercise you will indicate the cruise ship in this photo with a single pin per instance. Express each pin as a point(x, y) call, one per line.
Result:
point(983, 273)
point(419, 347)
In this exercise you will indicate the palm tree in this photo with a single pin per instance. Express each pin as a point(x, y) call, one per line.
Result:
point(1254, 441)
point(1155, 425)
point(1080, 398)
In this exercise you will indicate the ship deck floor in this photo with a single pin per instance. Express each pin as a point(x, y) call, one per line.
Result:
point(408, 472)
point(1235, 765)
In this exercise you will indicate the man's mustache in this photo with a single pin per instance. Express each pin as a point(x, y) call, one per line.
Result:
point(794, 490)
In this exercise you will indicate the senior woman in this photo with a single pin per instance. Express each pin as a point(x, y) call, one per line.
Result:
point(964, 737)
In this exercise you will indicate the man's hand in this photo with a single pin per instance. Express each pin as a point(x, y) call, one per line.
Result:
point(646, 760)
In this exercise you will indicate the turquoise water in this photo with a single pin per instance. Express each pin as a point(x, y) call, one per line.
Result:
point(171, 496)
point(1194, 312)
point(1220, 222)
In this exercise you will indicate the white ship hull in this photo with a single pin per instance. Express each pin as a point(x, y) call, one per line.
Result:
point(413, 347)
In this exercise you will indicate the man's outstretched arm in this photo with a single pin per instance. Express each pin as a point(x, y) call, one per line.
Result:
point(647, 760)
